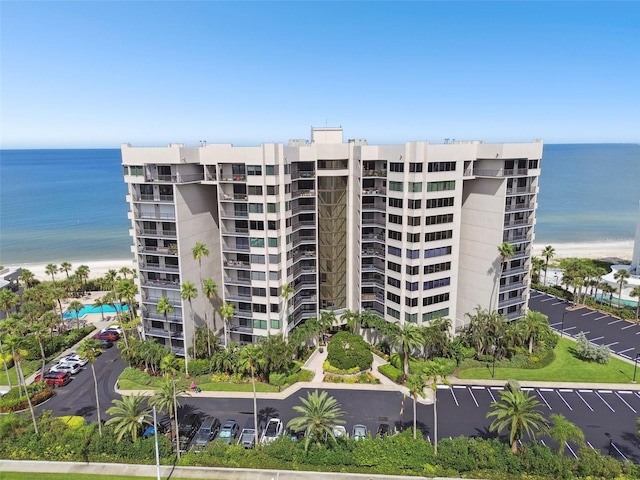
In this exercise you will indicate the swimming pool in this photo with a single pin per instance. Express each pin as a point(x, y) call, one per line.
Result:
point(91, 309)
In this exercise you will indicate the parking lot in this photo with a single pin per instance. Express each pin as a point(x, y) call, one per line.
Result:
point(621, 336)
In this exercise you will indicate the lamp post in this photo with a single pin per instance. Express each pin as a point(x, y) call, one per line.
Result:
point(635, 367)
point(155, 434)
point(562, 325)
point(608, 435)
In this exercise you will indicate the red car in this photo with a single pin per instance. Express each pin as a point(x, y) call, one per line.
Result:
point(112, 336)
point(55, 379)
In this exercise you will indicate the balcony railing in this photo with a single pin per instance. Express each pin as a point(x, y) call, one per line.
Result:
point(305, 254)
point(519, 223)
point(170, 318)
point(161, 284)
point(234, 213)
point(373, 237)
point(372, 267)
point(235, 231)
point(144, 232)
point(374, 221)
point(502, 172)
point(236, 264)
point(520, 206)
point(233, 178)
point(196, 177)
point(304, 299)
point(233, 197)
point(379, 207)
point(510, 301)
point(511, 286)
point(157, 266)
point(238, 297)
point(521, 190)
point(155, 216)
point(374, 191)
point(236, 280)
point(372, 297)
point(153, 198)
point(513, 315)
point(303, 193)
point(303, 208)
point(158, 250)
point(382, 172)
point(514, 271)
point(302, 174)
point(373, 252)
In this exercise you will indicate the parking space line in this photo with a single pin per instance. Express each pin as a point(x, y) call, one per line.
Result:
point(637, 333)
point(474, 398)
point(619, 452)
point(569, 328)
point(547, 299)
point(624, 351)
point(565, 390)
point(603, 316)
point(605, 402)
point(590, 446)
point(546, 389)
point(478, 387)
point(628, 326)
point(554, 324)
point(557, 303)
point(571, 450)
point(491, 393)
point(453, 394)
point(615, 321)
point(594, 339)
point(565, 402)
point(637, 394)
point(625, 402)
point(589, 313)
point(582, 398)
point(544, 400)
point(614, 343)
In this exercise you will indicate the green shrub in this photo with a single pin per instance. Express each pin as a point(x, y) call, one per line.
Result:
point(327, 367)
point(390, 372)
point(199, 367)
point(541, 360)
point(13, 402)
point(346, 351)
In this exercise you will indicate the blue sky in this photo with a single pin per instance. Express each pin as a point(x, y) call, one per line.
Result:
point(98, 74)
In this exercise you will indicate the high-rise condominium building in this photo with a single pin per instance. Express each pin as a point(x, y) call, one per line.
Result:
point(410, 232)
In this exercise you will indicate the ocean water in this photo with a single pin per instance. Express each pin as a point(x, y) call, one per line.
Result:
point(69, 205)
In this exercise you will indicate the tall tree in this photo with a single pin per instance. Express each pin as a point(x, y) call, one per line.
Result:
point(506, 251)
point(563, 431)
point(82, 272)
point(125, 271)
point(326, 321)
point(210, 290)
point(52, 269)
point(416, 385)
point(621, 279)
point(8, 301)
point(188, 292)
point(100, 303)
point(250, 357)
point(15, 341)
point(198, 251)
point(127, 289)
point(548, 253)
point(534, 324)
point(66, 268)
point(407, 339)
point(286, 292)
point(170, 366)
point(635, 292)
point(227, 311)
point(76, 306)
point(517, 411)
point(434, 373)
point(537, 264)
point(164, 308)
point(129, 416)
point(27, 277)
point(90, 349)
point(319, 414)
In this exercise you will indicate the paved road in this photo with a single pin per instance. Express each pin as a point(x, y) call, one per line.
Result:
point(621, 336)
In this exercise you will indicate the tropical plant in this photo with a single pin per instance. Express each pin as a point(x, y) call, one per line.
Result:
point(15, 341)
point(125, 271)
point(416, 385)
point(434, 373)
point(51, 269)
point(537, 264)
point(164, 308)
point(227, 311)
point(100, 303)
point(90, 349)
point(82, 272)
point(66, 267)
point(635, 292)
point(325, 323)
point(319, 414)
point(548, 253)
point(407, 339)
point(129, 416)
point(210, 289)
point(516, 411)
point(621, 279)
point(8, 301)
point(188, 292)
point(250, 357)
point(76, 306)
point(562, 430)
point(286, 292)
point(198, 251)
point(534, 323)
point(127, 289)
point(27, 277)
point(169, 366)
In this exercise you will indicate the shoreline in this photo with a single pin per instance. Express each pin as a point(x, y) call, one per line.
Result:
point(615, 251)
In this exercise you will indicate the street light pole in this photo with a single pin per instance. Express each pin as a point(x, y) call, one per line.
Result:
point(608, 435)
point(155, 434)
point(635, 367)
point(562, 325)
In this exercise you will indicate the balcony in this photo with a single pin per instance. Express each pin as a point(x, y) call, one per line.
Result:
point(521, 254)
point(155, 216)
point(373, 252)
point(237, 263)
point(236, 197)
point(374, 191)
point(510, 301)
point(373, 282)
point(154, 233)
point(158, 332)
point(374, 307)
point(303, 208)
point(304, 299)
point(244, 314)
point(238, 297)
point(518, 223)
point(367, 222)
point(516, 207)
point(233, 178)
point(513, 315)
point(517, 238)
point(303, 193)
point(196, 177)
point(511, 286)
point(236, 232)
point(372, 297)
point(152, 300)
point(241, 329)
point(521, 190)
point(508, 272)
point(237, 281)
point(373, 267)
point(375, 237)
point(382, 172)
point(171, 285)
point(233, 213)
point(303, 224)
point(235, 247)
point(157, 267)
point(502, 172)
point(303, 174)
point(375, 206)
point(158, 250)
point(304, 254)
point(170, 318)
point(140, 198)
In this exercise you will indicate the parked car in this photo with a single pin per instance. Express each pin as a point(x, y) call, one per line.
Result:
point(150, 431)
point(273, 430)
point(247, 438)
point(115, 328)
point(340, 431)
point(295, 435)
point(113, 336)
point(384, 430)
point(208, 431)
point(359, 432)
point(54, 379)
point(74, 358)
point(104, 343)
point(229, 431)
point(187, 428)
point(69, 367)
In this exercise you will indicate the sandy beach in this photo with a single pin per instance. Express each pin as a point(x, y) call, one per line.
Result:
point(97, 268)
point(613, 251)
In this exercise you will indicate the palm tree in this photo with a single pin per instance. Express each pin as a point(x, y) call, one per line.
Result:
point(537, 264)
point(434, 372)
point(100, 303)
point(319, 414)
point(250, 357)
point(82, 272)
point(76, 306)
point(27, 277)
point(90, 349)
point(407, 338)
point(286, 292)
point(506, 251)
point(534, 323)
point(65, 267)
point(227, 310)
point(15, 341)
point(164, 307)
point(127, 289)
point(129, 416)
point(621, 277)
point(416, 385)
point(169, 366)
point(188, 292)
point(635, 292)
point(607, 289)
point(517, 411)
point(40, 331)
point(198, 251)
point(125, 271)
point(562, 431)
point(325, 322)
point(8, 301)
point(51, 269)
point(210, 289)
point(548, 253)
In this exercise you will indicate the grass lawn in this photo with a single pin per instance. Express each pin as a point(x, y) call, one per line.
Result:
point(28, 367)
point(67, 476)
point(565, 368)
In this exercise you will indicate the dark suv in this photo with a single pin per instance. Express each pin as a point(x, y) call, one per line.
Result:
point(208, 431)
point(54, 379)
point(187, 427)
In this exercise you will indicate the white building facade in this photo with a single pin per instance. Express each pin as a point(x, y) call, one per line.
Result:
point(409, 232)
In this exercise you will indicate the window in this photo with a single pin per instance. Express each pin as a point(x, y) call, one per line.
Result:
point(442, 282)
point(394, 267)
point(394, 282)
point(415, 167)
point(411, 317)
point(274, 275)
point(397, 252)
point(437, 219)
point(396, 186)
point(270, 170)
point(257, 242)
point(274, 259)
point(443, 297)
point(412, 286)
point(410, 302)
point(256, 225)
point(440, 202)
point(255, 190)
point(395, 235)
point(260, 324)
point(254, 169)
point(259, 308)
point(395, 202)
point(412, 269)
point(287, 189)
point(274, 291)
point(275, 324)
point(433, 236)
point(272, 208)
point(274, 308)
point(413, 237)
point(437, 252)
point(413, 221)
point(441, 186)
point(397, 219)
point(533, 164)
point(237, 169)
point(258, 276)
point(273, 224)
point(393, 297)
point(443, 312)
point(415, 204)
point(273, 241)
point(259, 292)
point(273, 189)
point(136, 170)
point(413, 253)
point(415, 187)
point(256, 208)
point(257, 259)
point(393, 313)
point(441, 167)
point(396, 167)
point(437, 267)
